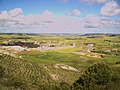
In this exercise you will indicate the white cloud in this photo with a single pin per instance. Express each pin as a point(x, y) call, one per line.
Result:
point(15, 12)
point(4, 15)
point(75, 12)
point(47, 22)
point(34, 19)
point(94, 1)
point(63, 1)
point(93, 21)
point(101, 1)
point(110, 9)
point(47, 13)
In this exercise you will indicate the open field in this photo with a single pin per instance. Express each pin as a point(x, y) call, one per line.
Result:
point(48, 59)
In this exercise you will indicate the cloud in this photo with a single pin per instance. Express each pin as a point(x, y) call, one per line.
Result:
point(48, 22)
point(110, 9)
point(92, 21)
point(4, 15)
point(15, 12)
point(47, 13)
point(75, 12)
point(94, 1)
point(63, 1)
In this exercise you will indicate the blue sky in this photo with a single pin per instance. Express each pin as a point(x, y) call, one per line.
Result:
point(59, 8)
point(74, 15)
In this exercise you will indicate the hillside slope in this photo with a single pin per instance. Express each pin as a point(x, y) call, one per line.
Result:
point(23, 70)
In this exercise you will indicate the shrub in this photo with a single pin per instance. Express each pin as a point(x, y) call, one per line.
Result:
point(17, 83)
point(98, 74)
point(1, 72)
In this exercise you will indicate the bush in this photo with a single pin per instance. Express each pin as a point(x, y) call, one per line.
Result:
point(64, 86)
point(118, 62)
point(97, 75)
point(17, 83)
point(1, 72)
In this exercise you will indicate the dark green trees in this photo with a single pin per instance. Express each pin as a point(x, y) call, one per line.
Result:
point(1, 72)
point(17, 83)
point(98, 75)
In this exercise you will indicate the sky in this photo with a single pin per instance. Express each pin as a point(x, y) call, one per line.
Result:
point(60, 16)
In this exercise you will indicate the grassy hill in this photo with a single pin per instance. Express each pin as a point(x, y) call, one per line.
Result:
point(29, 72)
point(24, 74)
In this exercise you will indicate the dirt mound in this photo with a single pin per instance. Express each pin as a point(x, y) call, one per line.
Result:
point(66, 67)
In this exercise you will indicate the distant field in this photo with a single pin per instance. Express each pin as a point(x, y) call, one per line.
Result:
point(102, 42)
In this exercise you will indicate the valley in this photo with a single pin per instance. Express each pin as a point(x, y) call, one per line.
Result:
point(47, 60)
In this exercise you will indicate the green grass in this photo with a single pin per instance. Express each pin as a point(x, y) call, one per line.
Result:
point(50, 56)
point(78, 61)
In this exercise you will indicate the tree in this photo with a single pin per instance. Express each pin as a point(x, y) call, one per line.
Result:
point(17, 83)
point(64, 86)
point(2, 72)
point(98, 74)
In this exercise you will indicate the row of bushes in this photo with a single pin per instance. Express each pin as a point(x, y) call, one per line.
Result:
point(22, 44)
